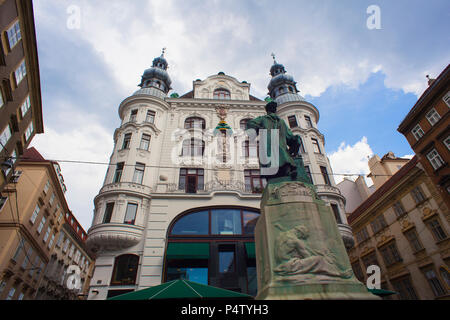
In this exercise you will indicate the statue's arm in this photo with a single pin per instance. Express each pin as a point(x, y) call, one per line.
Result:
point(292, 140)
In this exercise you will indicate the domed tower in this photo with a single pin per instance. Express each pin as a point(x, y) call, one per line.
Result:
point(122, 206)
point(302, 118)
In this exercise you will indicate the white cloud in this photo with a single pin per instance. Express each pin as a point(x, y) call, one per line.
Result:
point(92, 143)
point(351, 159)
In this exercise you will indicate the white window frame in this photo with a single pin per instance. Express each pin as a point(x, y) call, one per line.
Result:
point(29, 131)
point(5, 136)
point(47, 234)
point(20, 72)
point(3, 200)
point(14, 35)
point(36, 211)
point(2, 101)
point(447, 142)
point(41, 225)
point(433, 116)
point(435, 159)
point(25, 107)
point(446, 99)
point(417, 132)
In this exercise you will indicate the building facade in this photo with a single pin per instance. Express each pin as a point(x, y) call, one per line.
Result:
point(20, 92)
point(33, 216)
point(182, 192)
point(402, 228)
point(427, 129)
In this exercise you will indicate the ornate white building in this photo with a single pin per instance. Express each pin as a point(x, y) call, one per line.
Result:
point(182, 192)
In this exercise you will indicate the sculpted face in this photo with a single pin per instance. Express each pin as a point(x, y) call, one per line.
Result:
point(271, 107)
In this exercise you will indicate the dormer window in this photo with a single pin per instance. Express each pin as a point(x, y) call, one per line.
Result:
point(222, 94)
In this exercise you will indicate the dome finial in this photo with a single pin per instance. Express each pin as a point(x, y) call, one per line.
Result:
point(163, 51)
point(273, 56)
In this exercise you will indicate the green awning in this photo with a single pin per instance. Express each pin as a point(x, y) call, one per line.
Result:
point(250, 247)
point(187, 250)
point(381, 292)
point(181, 289)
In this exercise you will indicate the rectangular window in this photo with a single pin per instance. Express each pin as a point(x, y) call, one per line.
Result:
point(316, 147)
point(191, 180)
point(46, 187)
point(14, 34)
point(226, 221)
point(325, 176)
point(145, 142)
point(66, 245)
point(337, 215)
point(130, 215)
point(370, 260)
point(301, 148)
point(41, 225)
point(29, 131)
point(433, 117)
point(378, 224)
point(417, 194)
point(118, 173)
point(71, 250)
point(447, 142)
point(25, 107)
point(126, 141)
point(20, 72)
point(2, 201)
point(413, 239)
point(435, 159)
point(11, 293)
point(390, 254)
point(47, 234)
point(108, 212)
point(308, 122)
point(2, 101)
point(308, 172)
point(52, 199)
point(50, 243)
point(5, 136)
point(35, 213)
point(253, 181)
point(446, 99)
point(436, 229)
point(150, 116)
point(362, 235)
point(434, 282)
point(18, 250)
point(292, 122)
point(133, 115)
point(404, 288)
point(60, 239)
point(138, 176)
point(417, 132)
point(27, 258)
point(356, 267)
point(399, 209)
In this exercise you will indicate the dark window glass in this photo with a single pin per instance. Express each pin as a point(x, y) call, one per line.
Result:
point(192, 224)
point(316, 145)
point(126, 141)
point(118, 173)
point(292, 122)
point(145, 142)
point(192, 270)
point(253, 181)
point(193, 147)
point(108, 212)
point(301, 148)
point(414, 241)
point(336, 213)
point(226, 221)
point(404, 288)
point(227, 258)
point(325, 176)
point(308, 172)
point(133, 115)
point(191, 180)
point(436, 229)
point(125, 270)
point(308, 122)
point(150, 116)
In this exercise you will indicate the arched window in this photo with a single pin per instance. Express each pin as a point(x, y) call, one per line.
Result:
point(193, 147)
point(194, 122)
point(214, 246)
point(125, 270)
point(222, 94)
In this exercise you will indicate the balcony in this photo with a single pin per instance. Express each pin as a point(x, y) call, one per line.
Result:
point(126, 186)
point(347, 236)
point(113, 236)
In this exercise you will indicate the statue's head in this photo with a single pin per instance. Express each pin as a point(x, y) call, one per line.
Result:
point(271, 107)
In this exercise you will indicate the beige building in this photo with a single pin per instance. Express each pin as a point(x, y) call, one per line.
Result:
point(32, 216)
point(403, 227)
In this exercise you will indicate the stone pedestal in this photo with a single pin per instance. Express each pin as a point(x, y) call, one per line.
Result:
point(299, 250)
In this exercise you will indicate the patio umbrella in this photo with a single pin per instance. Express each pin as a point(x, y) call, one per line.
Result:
point(181, 289)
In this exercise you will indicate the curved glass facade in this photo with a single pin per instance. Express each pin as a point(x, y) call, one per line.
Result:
point(214, 246)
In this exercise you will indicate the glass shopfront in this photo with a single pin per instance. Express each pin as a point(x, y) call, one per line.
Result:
point(214, 246)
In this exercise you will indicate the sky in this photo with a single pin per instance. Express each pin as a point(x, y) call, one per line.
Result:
point(363, 69)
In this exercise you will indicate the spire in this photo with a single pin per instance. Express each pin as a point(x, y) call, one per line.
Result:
point(156, 80)
point(281, 83)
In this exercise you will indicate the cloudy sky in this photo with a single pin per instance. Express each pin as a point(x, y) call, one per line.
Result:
point(363, 80)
